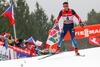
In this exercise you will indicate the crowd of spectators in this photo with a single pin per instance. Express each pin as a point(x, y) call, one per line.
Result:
point(21, 43)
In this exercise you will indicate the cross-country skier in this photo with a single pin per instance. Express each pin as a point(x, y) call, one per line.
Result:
point(67, 15)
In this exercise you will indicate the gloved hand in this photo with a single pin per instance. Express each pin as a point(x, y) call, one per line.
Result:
point(81, 24)
point(56, 27)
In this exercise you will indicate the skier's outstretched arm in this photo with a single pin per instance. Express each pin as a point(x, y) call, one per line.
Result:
point(58, 18)
point(79, 19)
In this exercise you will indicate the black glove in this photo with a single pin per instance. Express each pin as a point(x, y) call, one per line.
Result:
point(81, 24)
point(56, 27)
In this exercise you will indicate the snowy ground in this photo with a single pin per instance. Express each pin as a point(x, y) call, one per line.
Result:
point(66, 59)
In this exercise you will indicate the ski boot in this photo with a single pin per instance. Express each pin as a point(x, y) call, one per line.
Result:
point(76, 51)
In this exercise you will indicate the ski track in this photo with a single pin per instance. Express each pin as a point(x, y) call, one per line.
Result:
point(91, 59)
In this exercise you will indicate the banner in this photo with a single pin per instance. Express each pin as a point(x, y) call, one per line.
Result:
point(22, 55)
point(87, 31)
point(94, 41)
point(7, 54)
point(12, 53)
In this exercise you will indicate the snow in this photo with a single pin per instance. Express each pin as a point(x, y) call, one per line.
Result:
point(65, 59)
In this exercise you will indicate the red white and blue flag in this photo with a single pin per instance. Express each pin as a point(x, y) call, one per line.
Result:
point(53, 38)
point(9, 13)
point(31, 41)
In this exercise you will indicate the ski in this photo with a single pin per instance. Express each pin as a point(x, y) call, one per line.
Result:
point(46, 56)
point(80, 55)
point(57, 53)
point(49, 55)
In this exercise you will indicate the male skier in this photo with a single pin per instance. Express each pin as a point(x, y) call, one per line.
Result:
point(67, 15)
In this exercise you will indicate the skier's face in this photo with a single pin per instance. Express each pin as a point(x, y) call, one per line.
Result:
point(65, 6)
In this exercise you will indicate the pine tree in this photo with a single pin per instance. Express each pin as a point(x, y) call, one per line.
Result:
point(40, 22)
point(22, 18)
point(93, 17)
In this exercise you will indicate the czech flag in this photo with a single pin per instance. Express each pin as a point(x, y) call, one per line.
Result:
point(9, 13)
point(31, 41)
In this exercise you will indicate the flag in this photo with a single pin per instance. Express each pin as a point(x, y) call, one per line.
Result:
point(31, 40)
point(9, 13)
point(38, 43)
point(94, 41)
point(53, 39)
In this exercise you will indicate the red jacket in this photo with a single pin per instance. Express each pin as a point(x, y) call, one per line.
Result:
point(67, 16)
point(32, 50)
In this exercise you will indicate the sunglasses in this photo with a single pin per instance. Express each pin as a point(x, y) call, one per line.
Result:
point(65, 5)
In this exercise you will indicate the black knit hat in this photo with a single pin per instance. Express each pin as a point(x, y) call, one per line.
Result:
point(65, 3)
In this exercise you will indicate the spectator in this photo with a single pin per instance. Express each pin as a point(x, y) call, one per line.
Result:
point(10, 39)
point(31, 49)
point(2, 40)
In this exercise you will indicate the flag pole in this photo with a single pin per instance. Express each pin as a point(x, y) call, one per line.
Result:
point(14, 28)
point(14, 31)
